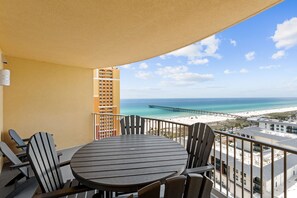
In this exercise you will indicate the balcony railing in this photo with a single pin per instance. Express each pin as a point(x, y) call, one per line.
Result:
point(241, 170)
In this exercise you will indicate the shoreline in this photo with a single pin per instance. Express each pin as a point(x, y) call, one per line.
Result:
point(213, 118)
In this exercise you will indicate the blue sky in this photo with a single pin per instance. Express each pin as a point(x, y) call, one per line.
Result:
point(256, 58)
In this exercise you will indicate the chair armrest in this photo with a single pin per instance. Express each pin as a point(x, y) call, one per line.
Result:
point(63, 192)
point(59, 153)
point(20, 165)
point(26, 139)
point(65, 163)
point(21, 146)
point(21, 154)
point(198, 170)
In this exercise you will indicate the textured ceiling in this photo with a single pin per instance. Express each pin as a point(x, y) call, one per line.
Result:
point(100, 33)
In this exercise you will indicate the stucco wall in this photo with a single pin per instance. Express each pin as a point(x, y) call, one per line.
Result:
point(49, 97)
point(1, 109)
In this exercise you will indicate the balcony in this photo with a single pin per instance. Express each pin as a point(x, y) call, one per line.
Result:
point(255, 163)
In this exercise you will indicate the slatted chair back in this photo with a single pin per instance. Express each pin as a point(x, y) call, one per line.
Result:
point(198, 186)
point(44, 161)
point(174, 187)
point(192, 186)
point(150, 191)
point(132, 125)
point(200, 141)
point(17, 139)
point(7, 152)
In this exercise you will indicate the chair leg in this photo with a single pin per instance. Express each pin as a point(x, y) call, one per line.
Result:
point(103, 194)
point(99, 194)
point(208, 174)
point(21, 187)
point(15, 179)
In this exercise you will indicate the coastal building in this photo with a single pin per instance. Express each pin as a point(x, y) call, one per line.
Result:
point(278, 126)
point(233, 171)
point(106, 100)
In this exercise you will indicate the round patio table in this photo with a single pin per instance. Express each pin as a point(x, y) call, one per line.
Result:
point(128, 162)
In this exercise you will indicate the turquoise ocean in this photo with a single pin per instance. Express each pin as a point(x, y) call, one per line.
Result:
point(226, 105)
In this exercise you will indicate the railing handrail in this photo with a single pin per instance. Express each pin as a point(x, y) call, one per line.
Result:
point(275, 146)
point(166, 121)
point(179, 134)
point(111, 114)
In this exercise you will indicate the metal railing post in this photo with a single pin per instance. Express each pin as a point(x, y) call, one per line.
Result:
point(95, 126)
point(159, 126)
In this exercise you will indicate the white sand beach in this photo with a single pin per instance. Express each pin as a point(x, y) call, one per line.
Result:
point(213, 118)
point(263, 112)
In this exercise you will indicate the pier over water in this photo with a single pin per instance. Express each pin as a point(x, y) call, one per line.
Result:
point(194, 111)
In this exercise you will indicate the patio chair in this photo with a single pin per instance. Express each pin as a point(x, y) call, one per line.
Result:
point(16, 163)
point(43, 159)
point(199, 144)
point(16, 176)
point(21, 144)
point(198, 186)
point(18, 140)
point(132, 124)
point(192, 186)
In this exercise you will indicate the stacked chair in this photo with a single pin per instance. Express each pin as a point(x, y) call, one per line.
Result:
point(21, 144)
point(22, 171)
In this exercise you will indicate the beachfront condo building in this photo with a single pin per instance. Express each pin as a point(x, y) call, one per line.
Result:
point(250, 175)
point(278, 126)
point(106, 101)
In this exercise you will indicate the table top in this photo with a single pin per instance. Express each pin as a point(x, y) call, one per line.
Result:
point(128, 162)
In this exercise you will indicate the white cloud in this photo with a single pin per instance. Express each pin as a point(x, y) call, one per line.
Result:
point(233, 42)
point(243, 71)
point(269, 67)
point(198, 61)
point(127, 66)
point(181, 74)
point(285, 35)
point(250, 56)
point(277, 55)
point(143, 75)
point(197, 53)
point(188, 76)
point(143, 65)
point(159, 64)
point(169, 83)
point(227, 71)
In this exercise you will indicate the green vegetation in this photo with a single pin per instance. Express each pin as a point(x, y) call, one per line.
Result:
point(282, 116)
point(228, 125)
